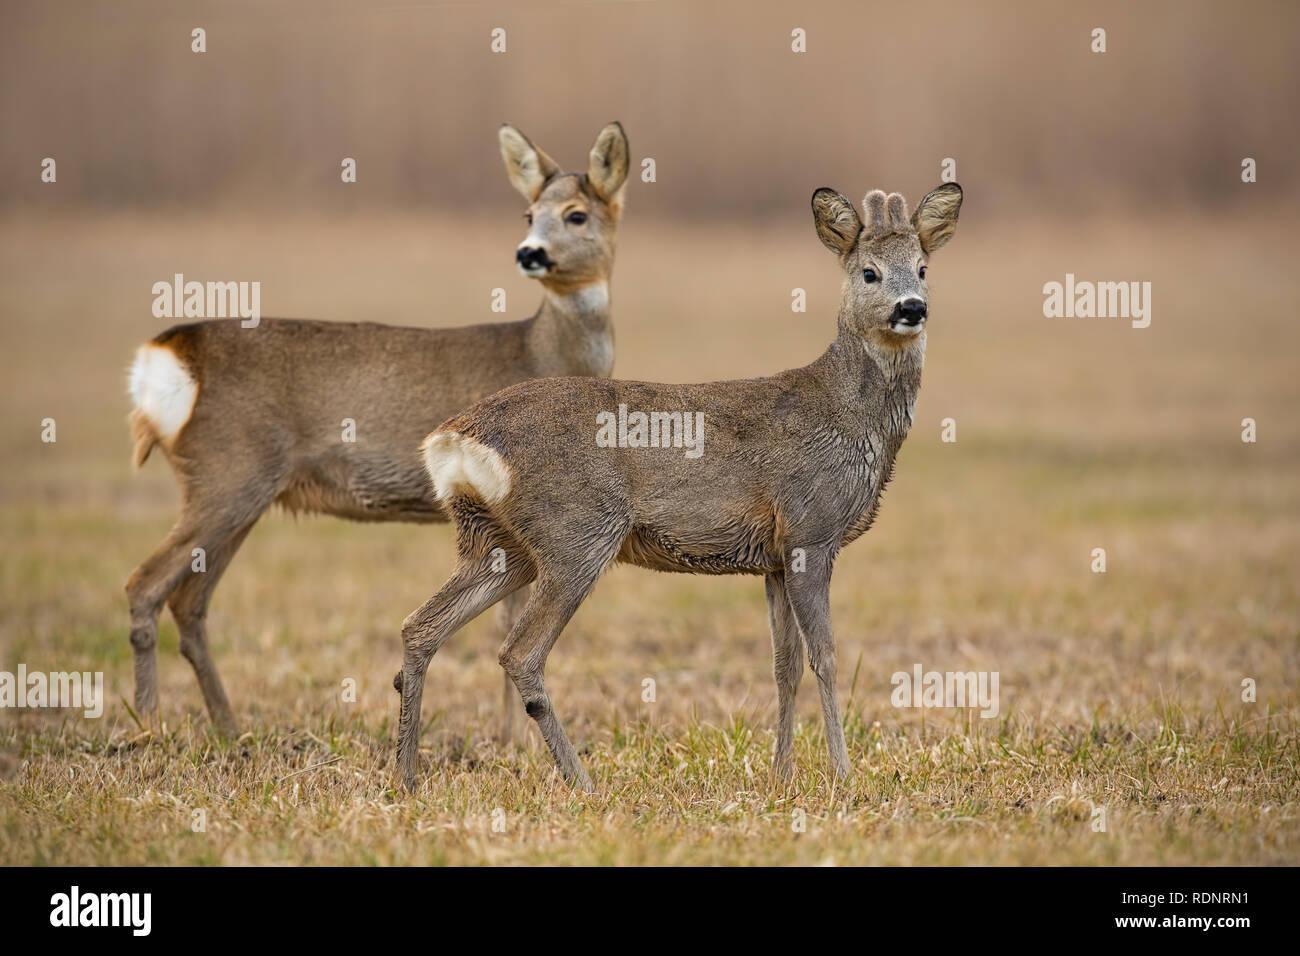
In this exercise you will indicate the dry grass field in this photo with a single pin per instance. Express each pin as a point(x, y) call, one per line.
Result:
point(1119, 691)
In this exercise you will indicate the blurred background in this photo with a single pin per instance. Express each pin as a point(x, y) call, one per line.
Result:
point(738, 124)
point(1072, 434)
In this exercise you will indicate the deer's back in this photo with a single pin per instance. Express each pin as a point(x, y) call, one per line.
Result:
point(334, 412)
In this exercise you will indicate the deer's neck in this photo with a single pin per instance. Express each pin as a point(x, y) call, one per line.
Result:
point(572, 334)
point(878, 379)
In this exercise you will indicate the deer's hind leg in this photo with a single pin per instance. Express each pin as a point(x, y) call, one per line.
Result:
point(508, 612)
point(189, 607)
point(147, 588)
point(567, 570)
point(482, 577)
point(215, 517)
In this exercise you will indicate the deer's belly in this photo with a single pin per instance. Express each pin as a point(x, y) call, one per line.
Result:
point(742, 546)
point(362, 490)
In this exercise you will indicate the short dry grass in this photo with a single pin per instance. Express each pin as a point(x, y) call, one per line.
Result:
point(1119, 691)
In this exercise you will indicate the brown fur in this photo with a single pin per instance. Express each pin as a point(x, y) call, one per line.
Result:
point(267, 423)
point(143, 437)
point(792, 470)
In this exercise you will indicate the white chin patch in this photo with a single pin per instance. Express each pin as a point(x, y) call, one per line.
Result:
point(901, 329)
point(533, 272)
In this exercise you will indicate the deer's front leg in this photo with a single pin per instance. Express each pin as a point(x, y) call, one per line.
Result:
point(787, 665)
point(809, 593)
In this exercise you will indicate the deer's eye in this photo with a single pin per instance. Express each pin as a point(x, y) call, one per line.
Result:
point(528, 217)
point(576, 218)
point(869, 276)
point(922, 272)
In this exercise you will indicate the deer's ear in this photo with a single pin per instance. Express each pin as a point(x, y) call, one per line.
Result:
point(837, 221)
point(527, 166)
point(936, 218)
point(607, 163)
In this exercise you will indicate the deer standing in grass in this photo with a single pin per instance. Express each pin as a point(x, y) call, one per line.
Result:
point(250, 417)
point(777, 476)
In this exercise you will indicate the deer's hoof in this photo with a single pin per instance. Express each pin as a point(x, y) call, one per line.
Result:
point(225, 726)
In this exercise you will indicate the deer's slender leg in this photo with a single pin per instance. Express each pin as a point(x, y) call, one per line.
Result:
point(217, 510)
point(787, 663)
point(523, 657)
point(146, 589)
point(568, 569)
point(809, 594)
point(473, 588)
point(508, 612)
point(189, 607)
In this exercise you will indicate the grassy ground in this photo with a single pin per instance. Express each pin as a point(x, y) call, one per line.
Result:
point(1119, 691)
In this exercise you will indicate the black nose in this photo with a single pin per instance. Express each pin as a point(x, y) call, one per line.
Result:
point(528, 256)
point(911, 310)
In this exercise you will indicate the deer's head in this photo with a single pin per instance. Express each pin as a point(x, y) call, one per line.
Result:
point(572, 217)
point(885, 297)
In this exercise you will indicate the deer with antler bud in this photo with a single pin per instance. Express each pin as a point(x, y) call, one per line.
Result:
point(791, 470)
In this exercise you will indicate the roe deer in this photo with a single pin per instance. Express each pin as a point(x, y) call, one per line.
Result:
point(249, 417)
point(779, 475)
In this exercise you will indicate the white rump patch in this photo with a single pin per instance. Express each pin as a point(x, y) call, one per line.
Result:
point(458, 462)
point(163, 390)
